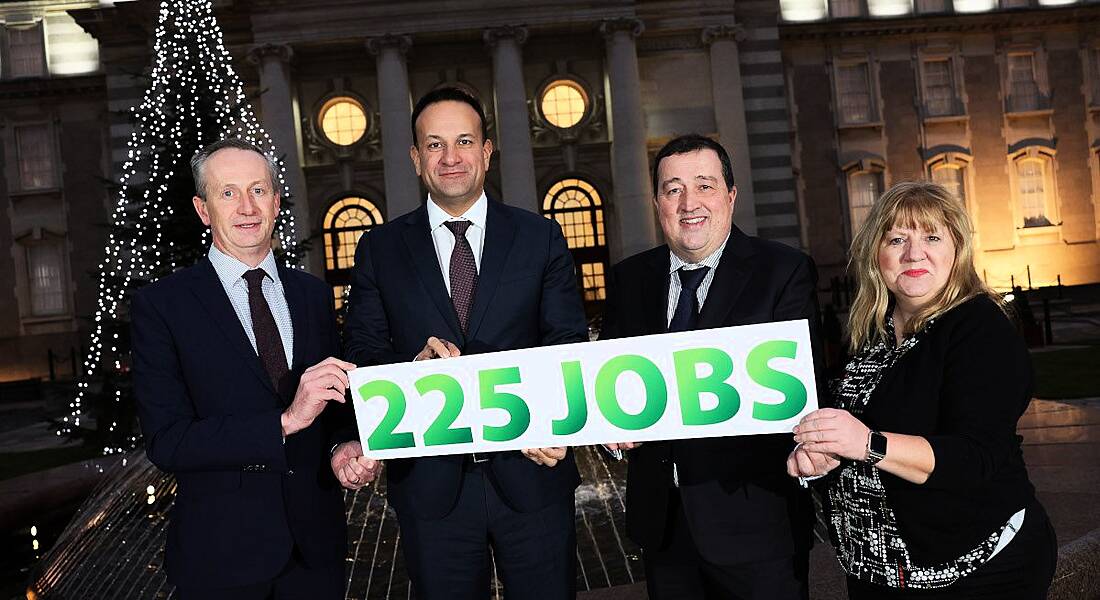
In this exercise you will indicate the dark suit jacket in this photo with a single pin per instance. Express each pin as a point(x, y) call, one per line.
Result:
point(740, 504)
point(211, 417)
point(526, 297)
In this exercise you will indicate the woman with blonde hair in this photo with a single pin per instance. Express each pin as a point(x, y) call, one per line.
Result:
point(928, 494)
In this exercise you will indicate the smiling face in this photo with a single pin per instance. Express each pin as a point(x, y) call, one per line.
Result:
point(694, 207)
point(915, 264)
point(240, 205)
point(450, 155)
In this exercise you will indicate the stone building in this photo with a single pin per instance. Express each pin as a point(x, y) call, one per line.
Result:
point(1000, 102)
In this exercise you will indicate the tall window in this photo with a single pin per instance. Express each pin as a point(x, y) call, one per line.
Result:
point(1023, 88)
point(576, 205)
point(864, 188)
point(35, 155)
point(953, 177)
point(1033, 190)
point(26, 51)
point(939, 87)
point(45, 279)
point(345, 222)
point(854, 91)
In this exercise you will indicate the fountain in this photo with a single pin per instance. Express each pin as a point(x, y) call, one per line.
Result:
point(114, 546)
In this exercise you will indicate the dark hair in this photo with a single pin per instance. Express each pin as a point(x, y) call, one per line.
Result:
point(693, 142)
point(198, 162)
point(449, 94)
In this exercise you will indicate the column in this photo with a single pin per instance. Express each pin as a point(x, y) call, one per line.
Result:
point(517, 162)
point(632, 219)
point(729, 114)
point(280, 120)
point(402, 185)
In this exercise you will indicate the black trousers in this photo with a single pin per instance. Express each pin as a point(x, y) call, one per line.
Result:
point(535, 553)
point(1022, 570)
point(297, 581)
point(676, 571)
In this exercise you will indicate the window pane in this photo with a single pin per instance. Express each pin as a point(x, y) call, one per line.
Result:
point(939, 90)
point(26, 53)
point(345, 222)
point(35, 154)
point(863, 190)
point(343, 121)
point(855, 94)
point(1023, 89)
point(44, 277)
point(564, 103)
point(1033, 199)
point(595, 287)
point(951, 178)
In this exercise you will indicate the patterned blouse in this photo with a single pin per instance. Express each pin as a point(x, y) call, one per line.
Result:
point(863, 526)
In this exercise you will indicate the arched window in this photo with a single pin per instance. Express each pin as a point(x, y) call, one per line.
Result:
point(345, 222)
point(564, 103)
point(576, 205)
point(950, 169)
point(1033, 183)
point(343, 120)
point(864, 187)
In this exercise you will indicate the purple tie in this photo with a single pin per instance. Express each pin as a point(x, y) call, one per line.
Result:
point(463, 273)
point(269, 344)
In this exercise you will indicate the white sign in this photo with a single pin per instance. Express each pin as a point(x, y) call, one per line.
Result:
point(717, 382)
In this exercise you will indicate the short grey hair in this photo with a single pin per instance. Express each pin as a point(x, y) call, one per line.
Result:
point(198, 162)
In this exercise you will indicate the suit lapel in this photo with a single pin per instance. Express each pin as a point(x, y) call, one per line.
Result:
point(296, 302)
point(729, 282)
point(210, 293)
point(500, 234)
point(655, 292)
point(418, 241)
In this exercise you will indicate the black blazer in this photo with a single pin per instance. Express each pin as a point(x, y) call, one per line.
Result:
point(211, 417)
point(739, 503)
point(526, 297)
point(963, 388)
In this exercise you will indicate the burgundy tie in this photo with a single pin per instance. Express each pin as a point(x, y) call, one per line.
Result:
point(463, 273)
point(269, 344)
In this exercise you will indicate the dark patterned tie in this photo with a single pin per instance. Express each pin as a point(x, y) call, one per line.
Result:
point(463, 273)
point(686, 315)
point(269, 344)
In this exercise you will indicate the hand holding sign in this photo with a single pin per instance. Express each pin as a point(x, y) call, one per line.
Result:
point(718, 382)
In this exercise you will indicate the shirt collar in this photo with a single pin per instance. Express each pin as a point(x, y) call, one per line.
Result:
point(476, 214)
point(231, 271)
point(675, 262)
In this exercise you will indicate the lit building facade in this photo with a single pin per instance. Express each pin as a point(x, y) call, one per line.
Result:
point(999, 102)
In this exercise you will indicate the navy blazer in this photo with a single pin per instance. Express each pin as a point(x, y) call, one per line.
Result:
point(526, 297)
point(739, 502)
point(211, 417)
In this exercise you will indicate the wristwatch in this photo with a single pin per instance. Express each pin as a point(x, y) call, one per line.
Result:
point(876, 447)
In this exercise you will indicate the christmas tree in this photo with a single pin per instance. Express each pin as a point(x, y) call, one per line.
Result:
point(194, 98)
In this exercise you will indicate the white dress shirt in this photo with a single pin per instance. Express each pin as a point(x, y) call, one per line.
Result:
point(444, 240)
point(231, 274)
point(675, 263)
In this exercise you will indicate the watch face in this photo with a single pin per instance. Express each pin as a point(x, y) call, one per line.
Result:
point(878, 445)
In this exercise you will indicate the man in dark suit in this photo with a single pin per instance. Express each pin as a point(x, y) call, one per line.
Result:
point(716, 518)
point(229, 402)
point(466, 275)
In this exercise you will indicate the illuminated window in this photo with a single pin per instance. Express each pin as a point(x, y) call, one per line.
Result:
point(1034, 189)
point(340, 295)
point(803, 10)
point(564, 103)
point(592, 276)
point(889, 8)
point(35, 155)
point(953, 177)
point(939, 87)
point(345, 222)
point(1023, 86)
point(854, 91)
point(343, 120)
point(25, 49)
point(864, 188)
point(576, 206)
point(45, 279)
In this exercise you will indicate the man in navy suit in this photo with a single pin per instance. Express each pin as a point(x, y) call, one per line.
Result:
point(466, 275)
point(229, 403)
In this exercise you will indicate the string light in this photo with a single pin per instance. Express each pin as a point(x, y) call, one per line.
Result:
point(190, 61)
